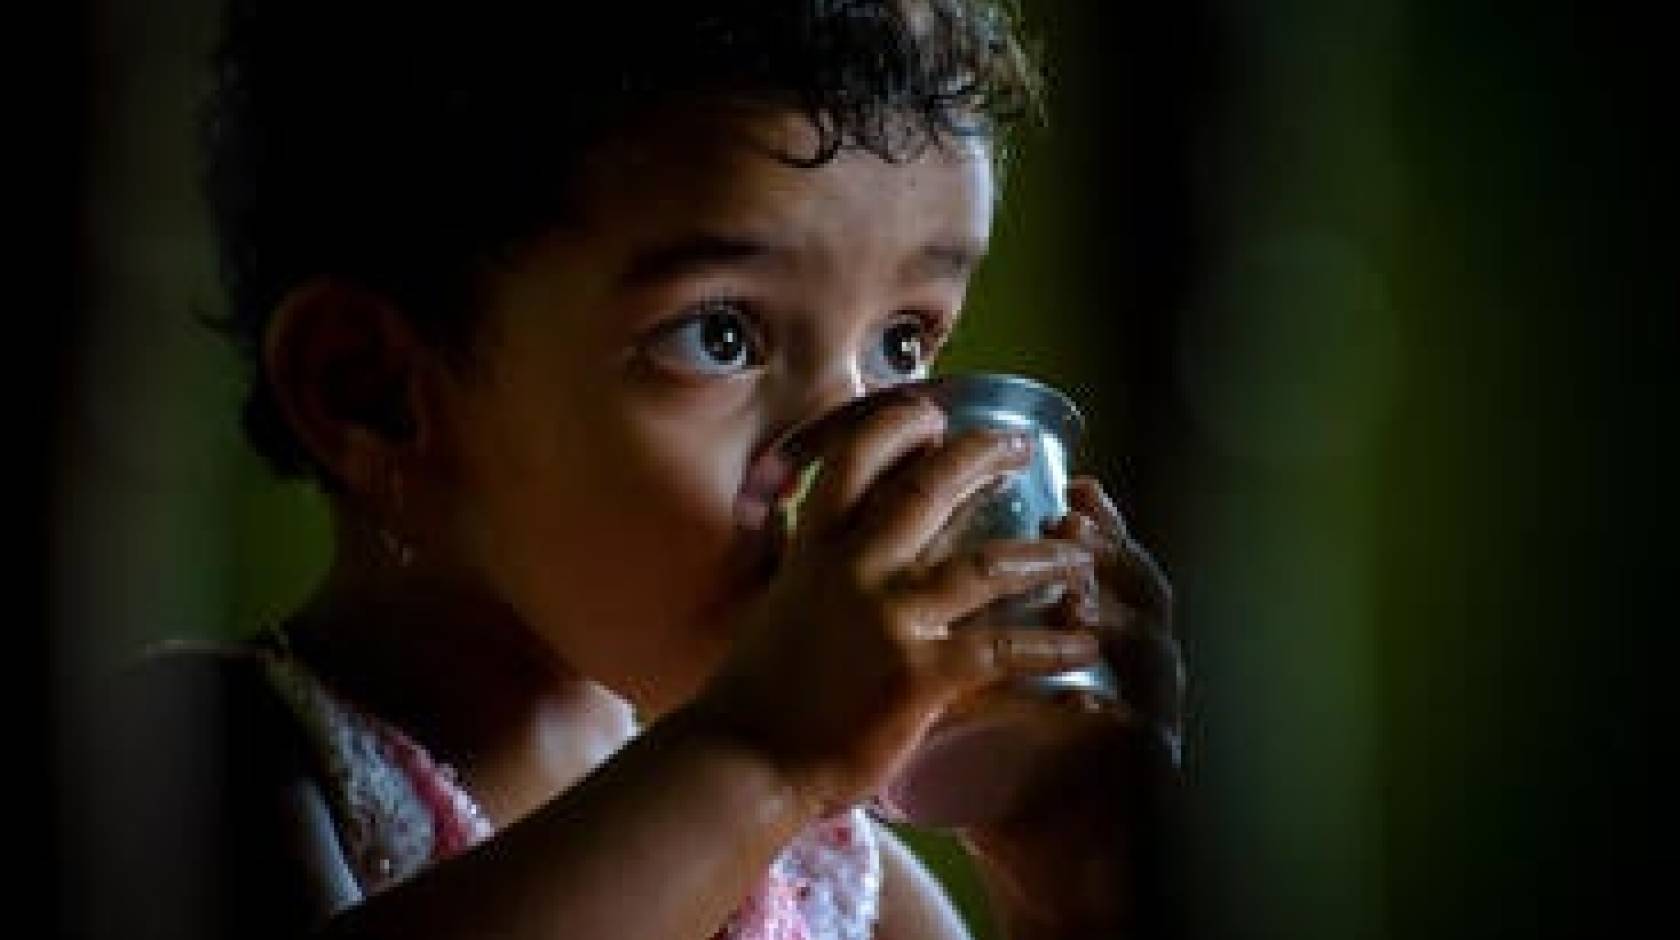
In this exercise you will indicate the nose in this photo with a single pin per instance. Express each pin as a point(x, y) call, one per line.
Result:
point(807, 397)
point(834, 387)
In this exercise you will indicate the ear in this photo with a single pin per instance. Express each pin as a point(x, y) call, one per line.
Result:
point(344, 366)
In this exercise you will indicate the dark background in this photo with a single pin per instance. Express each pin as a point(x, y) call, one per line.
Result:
point(1372, 307)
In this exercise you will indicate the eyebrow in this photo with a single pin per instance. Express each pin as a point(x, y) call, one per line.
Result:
point(697, 253)
point(711, 251)
point(950, 261)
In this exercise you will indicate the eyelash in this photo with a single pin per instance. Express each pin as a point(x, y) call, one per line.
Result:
point(931, 332)
point(697, 314)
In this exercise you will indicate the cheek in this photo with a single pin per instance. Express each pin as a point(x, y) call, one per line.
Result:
point(626, 524)
point(663, 556)
point(647, 510)
point(606, 518)
point(685, 473)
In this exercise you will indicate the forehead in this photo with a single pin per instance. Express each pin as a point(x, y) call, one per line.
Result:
point(729, 169)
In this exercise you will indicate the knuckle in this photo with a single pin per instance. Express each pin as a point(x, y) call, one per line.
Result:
point(1075, 555)
point(917, 485)
point(1084, 527)
point(987, 653)
point(858, 576)
point(979, 445)
point(900, 612)
point(908, 415)
point(988, 561)
point(928, 413)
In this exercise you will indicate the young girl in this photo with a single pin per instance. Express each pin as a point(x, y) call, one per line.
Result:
point(534, 297)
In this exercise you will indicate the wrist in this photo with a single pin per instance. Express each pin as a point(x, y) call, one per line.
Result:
point(709, 724)
point(1085, 868)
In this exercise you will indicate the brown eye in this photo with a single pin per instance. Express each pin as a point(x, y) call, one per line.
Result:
point(723, 338)
point(717, 339)
point(903, 351)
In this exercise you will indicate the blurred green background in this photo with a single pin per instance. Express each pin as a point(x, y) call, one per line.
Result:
point(1370, 305)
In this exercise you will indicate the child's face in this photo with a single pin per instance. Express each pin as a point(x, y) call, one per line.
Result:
point(636, 364)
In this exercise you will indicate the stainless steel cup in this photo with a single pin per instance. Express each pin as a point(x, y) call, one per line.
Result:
point(1025, 501)
point(975, 761)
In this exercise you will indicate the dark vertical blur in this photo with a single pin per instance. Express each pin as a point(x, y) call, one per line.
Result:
point(1372, 307)
point(50, 135)
point(1526, 559)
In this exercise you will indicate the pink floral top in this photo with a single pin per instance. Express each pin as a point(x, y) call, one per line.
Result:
point(397, 810)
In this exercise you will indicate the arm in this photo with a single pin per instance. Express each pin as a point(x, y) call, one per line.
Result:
point(661, 841)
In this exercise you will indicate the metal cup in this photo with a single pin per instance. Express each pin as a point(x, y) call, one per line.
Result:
point(1024, 502)
point(971, 763)
point(975, 763)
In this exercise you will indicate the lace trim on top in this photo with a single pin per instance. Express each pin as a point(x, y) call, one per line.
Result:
point(397, 810)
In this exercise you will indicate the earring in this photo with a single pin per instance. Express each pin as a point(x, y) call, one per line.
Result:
point(396, 547)
point(401, 553)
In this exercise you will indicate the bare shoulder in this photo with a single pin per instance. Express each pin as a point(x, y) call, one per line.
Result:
point(200, 814)
point(913, 904)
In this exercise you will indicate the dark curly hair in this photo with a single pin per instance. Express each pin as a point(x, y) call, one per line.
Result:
point(403, 145)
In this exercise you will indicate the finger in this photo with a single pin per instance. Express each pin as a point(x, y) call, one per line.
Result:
point(1137, 595)
point(1086, 494)
point(1062, 526)
point(1077, 526)
point(822, 435)
point(917, 498)
point(967, 583)
point(968, 658)
point(1081, 606)
point(857, 447)
point(1137, 576)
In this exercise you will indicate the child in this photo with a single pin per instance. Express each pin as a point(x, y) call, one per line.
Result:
point(532, 296)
